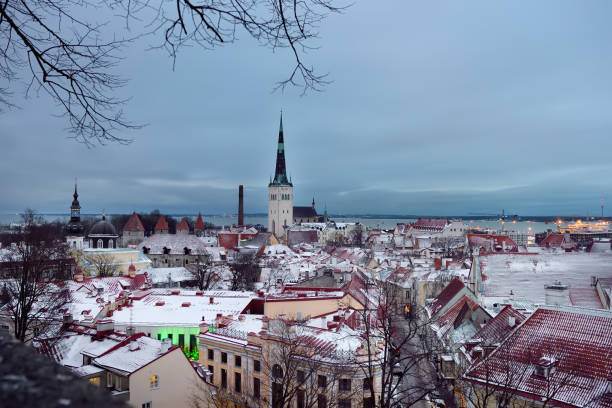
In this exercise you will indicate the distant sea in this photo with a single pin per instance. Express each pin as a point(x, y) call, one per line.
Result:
point(254, 219)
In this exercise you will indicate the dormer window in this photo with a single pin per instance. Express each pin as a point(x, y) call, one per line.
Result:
point(166, 251)
point(187, 251)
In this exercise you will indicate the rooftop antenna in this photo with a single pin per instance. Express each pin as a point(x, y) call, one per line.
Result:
point(602, 207)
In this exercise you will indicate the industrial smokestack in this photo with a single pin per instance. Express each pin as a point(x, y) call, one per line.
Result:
point(240, 205)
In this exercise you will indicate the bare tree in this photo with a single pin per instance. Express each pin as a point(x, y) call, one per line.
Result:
point(245, 272)
point(204, 274)
point(67, 56)
point(34, 292)
point(103, 263)
point(404, 347)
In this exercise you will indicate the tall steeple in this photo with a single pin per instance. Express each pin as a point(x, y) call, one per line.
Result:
point(75, 227)
point(280, 175)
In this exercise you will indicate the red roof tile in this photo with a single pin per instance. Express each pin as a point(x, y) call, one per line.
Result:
point(497, 329)
point(162, 224)
point(199, 225)
point(579, 340)
point(449, 292)
point(558, 241)
point(432, 224)
point(133, 223)
point(183, 226)
point(491, 242)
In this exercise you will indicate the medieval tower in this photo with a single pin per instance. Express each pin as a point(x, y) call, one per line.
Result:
point(280, 192)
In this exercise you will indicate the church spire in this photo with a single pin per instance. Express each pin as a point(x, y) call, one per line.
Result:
point(280, 175)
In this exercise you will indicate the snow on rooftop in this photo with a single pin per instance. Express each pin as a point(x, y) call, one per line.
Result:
point(161, 275)
point(145, 311)
point(526, 275)
point(129, 359)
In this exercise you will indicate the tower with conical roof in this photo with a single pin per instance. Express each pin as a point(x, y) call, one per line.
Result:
point(280, 191)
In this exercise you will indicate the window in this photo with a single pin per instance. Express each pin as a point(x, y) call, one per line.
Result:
point(256, 388)
point(182, 340)
point(367, 383)
point(154, 382)
point(211, 354)
point(237, 382)
point(211, 370)
point(110, 380)
point(193, 343)
point(277, 371)
point(95, 381)
point(238, 361)
point(110, 243)
point(170, 337)
point(301, 399)
point(158, 336)
point(368, 402)
point(344, 403)
point(147, 404)
point(322, 381)
point(256, 366)
point(100, 244)
point(321, 401)
point(344, 384)
point(224, 357)
point(300, 376)
point(223, 378)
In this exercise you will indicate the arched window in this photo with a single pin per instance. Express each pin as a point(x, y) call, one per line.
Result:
point(110, 243)
point(277, 371)
point(100, 244)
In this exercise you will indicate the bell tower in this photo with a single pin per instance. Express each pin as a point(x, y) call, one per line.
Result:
point(280, 192)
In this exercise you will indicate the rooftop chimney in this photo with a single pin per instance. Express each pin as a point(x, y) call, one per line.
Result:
point(240, 205)
point(134, 345)
point(511, 321)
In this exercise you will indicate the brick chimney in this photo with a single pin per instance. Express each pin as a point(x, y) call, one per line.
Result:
point(240, 205)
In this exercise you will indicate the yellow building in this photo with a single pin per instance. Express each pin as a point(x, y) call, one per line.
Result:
point(262, 361)
point(111, 261)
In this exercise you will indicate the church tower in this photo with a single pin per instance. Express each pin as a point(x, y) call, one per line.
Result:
point(280, 192)
point(74, 229)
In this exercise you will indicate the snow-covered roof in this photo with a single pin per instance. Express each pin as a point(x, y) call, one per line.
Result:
point(525, 275)
point(176, 244)
point(127, 359)
point(161, 275)
point(186, 308)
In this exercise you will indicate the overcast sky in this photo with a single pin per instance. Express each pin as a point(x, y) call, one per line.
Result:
point(442, 108)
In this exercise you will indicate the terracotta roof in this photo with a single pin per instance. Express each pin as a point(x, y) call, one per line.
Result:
point(455, 315)
point(133, 223)
point(183, 226)
point(491, 242)
point(558, 241)
point(578, 342)
point(199, 225)
point(447, 294)
point(162, 224)
point(497, 329)
point(432, 224)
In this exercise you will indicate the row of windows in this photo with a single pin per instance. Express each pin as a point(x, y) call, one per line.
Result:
point(100, 243)
point(282, 196)
point(237, 360)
